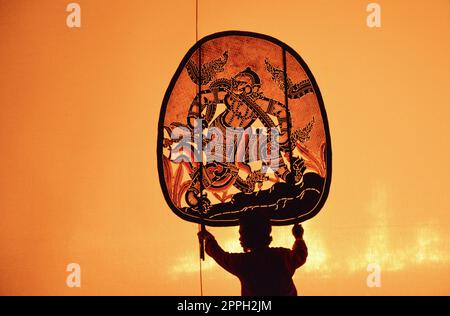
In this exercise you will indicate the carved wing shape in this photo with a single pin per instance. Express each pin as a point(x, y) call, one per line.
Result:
point(277, 75)
point(294, 91)
point(208, 71)
point(192, 70)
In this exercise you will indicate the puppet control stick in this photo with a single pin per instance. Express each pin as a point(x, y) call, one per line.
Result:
point(201, 240)
point(202, 243)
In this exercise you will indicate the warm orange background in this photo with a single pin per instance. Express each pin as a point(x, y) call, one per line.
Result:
point(78, 122)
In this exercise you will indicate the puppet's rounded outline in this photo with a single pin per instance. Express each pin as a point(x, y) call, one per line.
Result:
point(211, 222)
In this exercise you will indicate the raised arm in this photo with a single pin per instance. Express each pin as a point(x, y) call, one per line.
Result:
point(228, 261)
point(299, 251)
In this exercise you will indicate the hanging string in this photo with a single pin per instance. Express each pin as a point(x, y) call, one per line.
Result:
point(196, 21)
point(201, 227)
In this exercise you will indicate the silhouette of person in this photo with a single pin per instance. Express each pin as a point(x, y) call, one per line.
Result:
point(262, 270)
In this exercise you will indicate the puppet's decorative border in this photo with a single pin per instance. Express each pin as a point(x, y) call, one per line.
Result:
point(286, 48)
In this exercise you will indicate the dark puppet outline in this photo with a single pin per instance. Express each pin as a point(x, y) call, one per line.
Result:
point(287, 49)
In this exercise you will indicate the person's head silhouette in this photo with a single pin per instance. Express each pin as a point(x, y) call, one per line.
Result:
point(254, 230)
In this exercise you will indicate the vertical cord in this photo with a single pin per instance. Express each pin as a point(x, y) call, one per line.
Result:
point(200, 167)
point(201, 276)
point(200, 111)
point(196, 21)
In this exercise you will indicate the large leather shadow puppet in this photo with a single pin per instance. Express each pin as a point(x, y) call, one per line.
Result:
point(226, 182)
